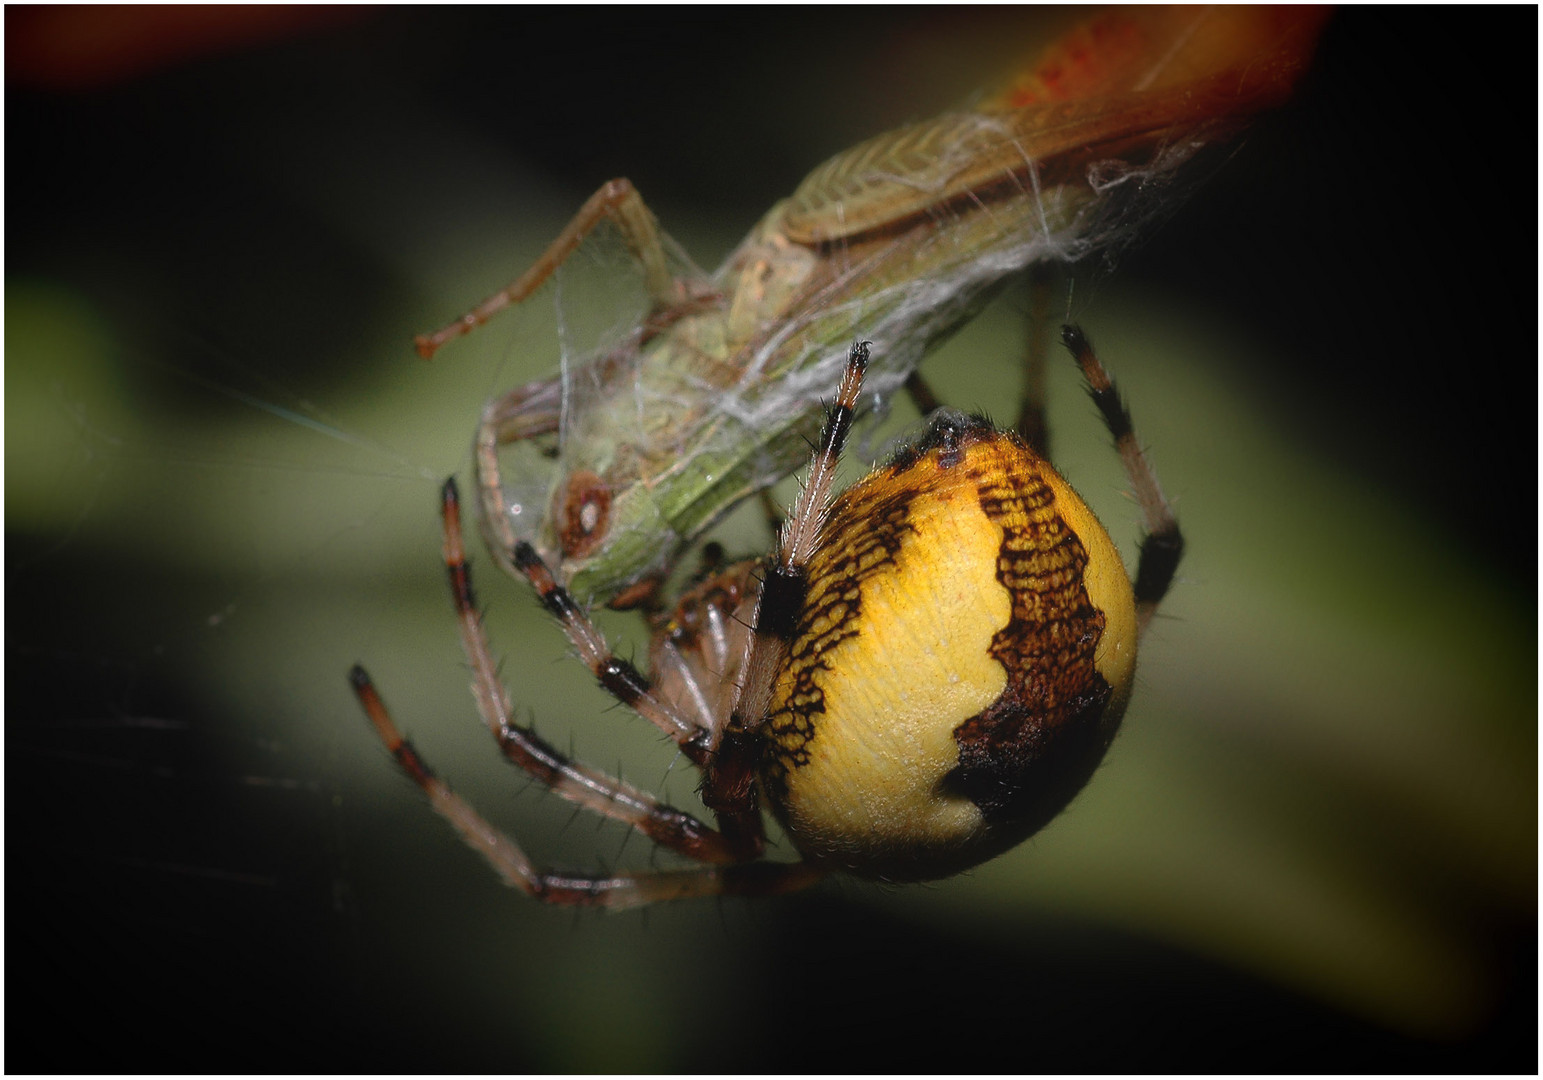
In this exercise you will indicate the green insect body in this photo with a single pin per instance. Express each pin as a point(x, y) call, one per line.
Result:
point(717, 391)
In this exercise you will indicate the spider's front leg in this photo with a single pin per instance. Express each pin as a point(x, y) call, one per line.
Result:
point(729, 787)
point(587, 787)
point(615, 891)
point(733, 848)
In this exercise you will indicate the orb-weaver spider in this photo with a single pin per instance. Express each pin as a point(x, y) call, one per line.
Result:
point(932, 667)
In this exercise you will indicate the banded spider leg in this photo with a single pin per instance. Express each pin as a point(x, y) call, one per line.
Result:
point(729, 758)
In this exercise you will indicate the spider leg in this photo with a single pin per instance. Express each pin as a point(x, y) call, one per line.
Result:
point(729, 786)
point(920, 391)
point(615, 891)
point(1031, 426)
point(1163, 545)
point(590, 788)
point(1031, 408)
point(616, 675)
point(698, 646)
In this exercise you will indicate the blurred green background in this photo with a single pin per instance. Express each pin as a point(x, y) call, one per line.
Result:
point(1314, 846)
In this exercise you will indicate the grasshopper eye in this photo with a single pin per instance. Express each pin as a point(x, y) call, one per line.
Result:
point(584, 515)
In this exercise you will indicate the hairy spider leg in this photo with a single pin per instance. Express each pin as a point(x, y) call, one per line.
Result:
point(587, 787)
point(590, 788)
point(729, 787)
point(614, 891)
point(617, 676)
point(1163, 545)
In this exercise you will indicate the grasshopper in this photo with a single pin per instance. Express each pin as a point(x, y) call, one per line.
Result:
point(714, 394)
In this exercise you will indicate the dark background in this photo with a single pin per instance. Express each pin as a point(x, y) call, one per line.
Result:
point(1381, 230)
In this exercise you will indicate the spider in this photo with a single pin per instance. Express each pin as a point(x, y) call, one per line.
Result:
point(922, 674)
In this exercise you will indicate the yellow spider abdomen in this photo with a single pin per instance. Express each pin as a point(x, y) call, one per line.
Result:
point(960, 663)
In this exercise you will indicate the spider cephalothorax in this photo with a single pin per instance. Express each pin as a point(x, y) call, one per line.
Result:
point(924, 672)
